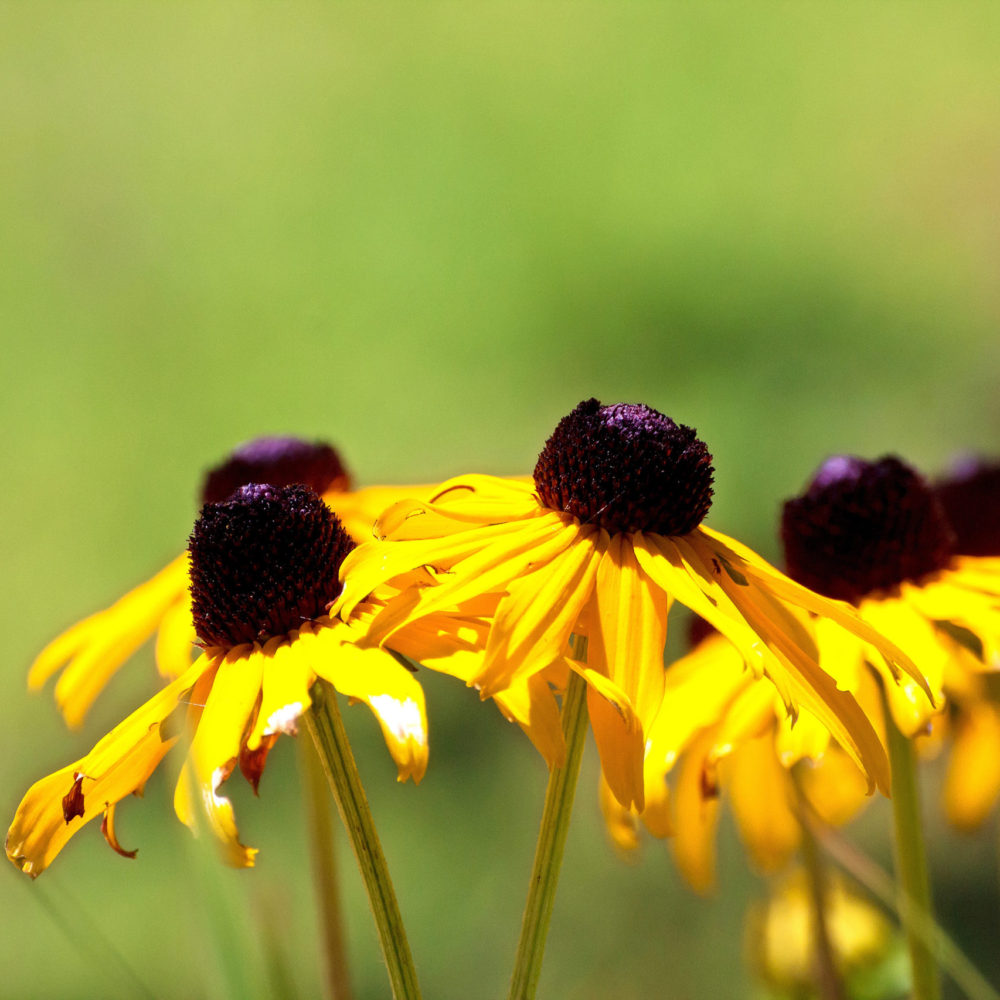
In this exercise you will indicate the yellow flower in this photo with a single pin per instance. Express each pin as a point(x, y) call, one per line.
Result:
point(607, 536)
point(91, 651)
point(264, 568)
point(875, 534)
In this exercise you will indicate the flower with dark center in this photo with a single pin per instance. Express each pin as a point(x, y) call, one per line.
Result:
point(607, 536)
point(263, 570)
point(90, 652)
point(875, 534)
point(970, 495)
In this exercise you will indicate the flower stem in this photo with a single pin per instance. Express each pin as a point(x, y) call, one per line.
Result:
point(915, 906)
point(322, 847)
point(327, 730)
point(830, 985)
point(551, 844)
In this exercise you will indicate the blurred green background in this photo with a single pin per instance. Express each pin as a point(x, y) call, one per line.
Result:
point(425, 233)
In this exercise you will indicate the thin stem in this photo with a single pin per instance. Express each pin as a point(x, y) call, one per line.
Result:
point(915, 906)
point(322, 847)
point(830, 985)
point(879, 883)
point(327, 730)
point(551, 844)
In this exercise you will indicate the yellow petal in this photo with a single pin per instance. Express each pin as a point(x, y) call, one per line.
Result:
point(358, 510)
point(534, 621)
point(375, 677)
point(374, 563)
point(94, 649)
point(972, 784)
point(285, 683)
point(834, 787)
point(629, 628)
point(618, 735)
point(753, 567)
point(696, 815)
point(215, 748)
point(490, 570)
point(532, 705)
point(117, 766)
point(809, 685)
point(621, 823)
point(760, 790)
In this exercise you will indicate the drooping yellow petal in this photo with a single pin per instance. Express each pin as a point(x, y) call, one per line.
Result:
point(834, 787)
point(618, 735)
point(285, 682)
point(534, 621)
point(629, 628)
point(898, 622)
point(759, 789)
point(972, 784)
point(699, 689)
point(531, 703)
point(94, 649)
point(621, 823)
point(215, 748)
point(372, 675)
point(696, 812)
point(746, 563)
point(809, 685)
point(117, 766)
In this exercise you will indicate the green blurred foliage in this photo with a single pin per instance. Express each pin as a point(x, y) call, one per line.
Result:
point(425, 232)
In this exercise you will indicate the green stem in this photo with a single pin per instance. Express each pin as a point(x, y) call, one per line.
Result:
point(879, 883)
point(551, 844)
point(322, 847)
point(327, 730)
point(915, 906)
point(830, 985)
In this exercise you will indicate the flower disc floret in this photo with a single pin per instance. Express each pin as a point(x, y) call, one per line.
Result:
point(626, 468)
point(280, 461)
point(864, 527)
point(263, 563)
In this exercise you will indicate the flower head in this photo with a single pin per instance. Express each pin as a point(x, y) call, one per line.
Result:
point(264, 568)
point(970, 496)
point(607, 536)
point(89, 653)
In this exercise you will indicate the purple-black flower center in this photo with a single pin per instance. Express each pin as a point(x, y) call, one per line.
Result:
point(971, 500)
point(280, 461)
point(864, 527)
point(626, 467)
point(263, 562)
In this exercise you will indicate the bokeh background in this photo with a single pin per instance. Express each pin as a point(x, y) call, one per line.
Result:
point(425, 232)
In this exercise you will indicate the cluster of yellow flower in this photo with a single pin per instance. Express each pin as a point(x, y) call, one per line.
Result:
point(516, 585)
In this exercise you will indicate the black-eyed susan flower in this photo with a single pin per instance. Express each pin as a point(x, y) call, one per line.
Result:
point(264, 568)
point(875, 534)
point(599, 545)
point(91, 651)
